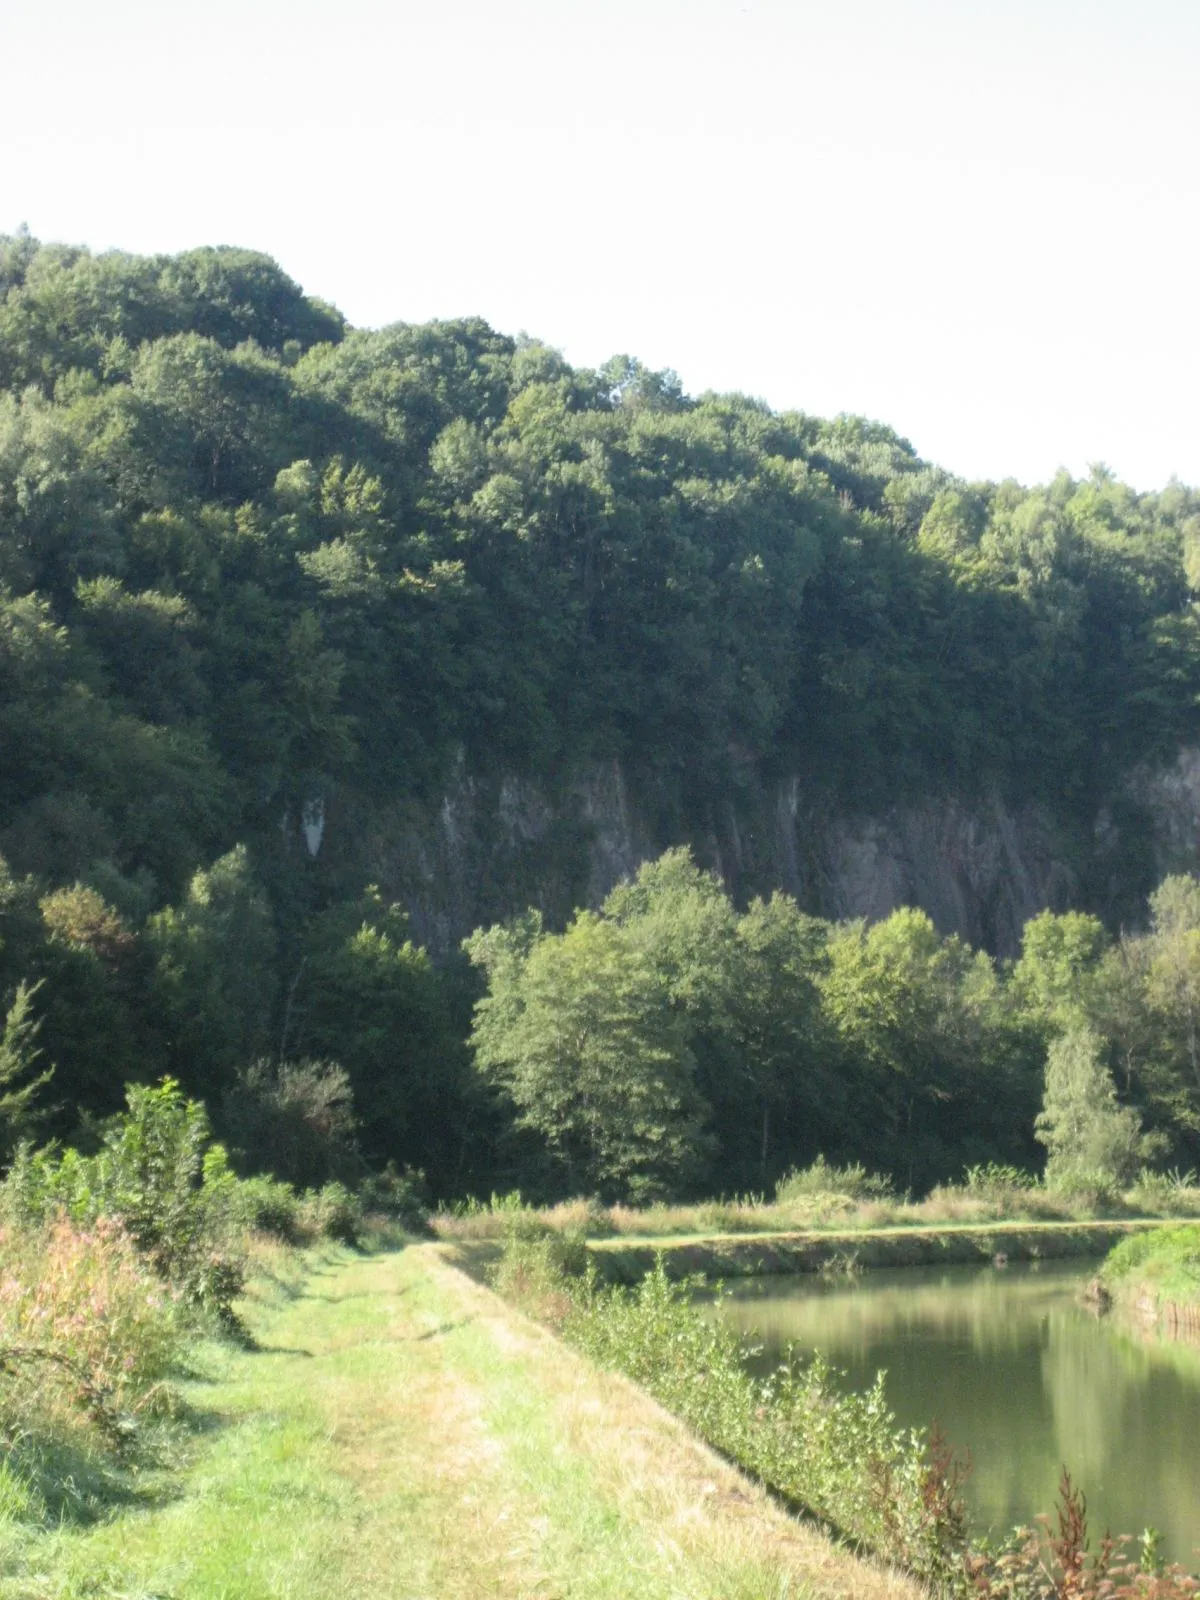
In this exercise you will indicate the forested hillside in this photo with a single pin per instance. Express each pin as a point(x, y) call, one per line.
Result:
point(267, 580)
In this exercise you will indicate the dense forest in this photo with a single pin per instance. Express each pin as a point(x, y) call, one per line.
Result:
point(259, 568)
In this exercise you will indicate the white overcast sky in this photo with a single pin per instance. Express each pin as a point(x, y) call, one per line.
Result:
point(975, 220)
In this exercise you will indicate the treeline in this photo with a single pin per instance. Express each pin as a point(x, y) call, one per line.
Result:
point(667, 1044)
point(670, 1044)
point(258, 567)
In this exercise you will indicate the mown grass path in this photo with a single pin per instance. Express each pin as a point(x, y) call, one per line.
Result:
point(403, 1433)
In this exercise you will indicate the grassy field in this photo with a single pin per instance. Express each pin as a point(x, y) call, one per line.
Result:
point(401, 1432)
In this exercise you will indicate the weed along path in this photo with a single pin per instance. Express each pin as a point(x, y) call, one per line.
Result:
point(401, 1432)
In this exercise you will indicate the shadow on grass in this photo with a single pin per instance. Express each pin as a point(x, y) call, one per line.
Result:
point(67, 1484)
point(441, 1329)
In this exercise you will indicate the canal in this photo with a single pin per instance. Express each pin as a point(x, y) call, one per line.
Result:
point(1020, 1374)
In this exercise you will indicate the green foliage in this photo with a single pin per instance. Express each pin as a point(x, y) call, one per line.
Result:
point(837, 1455)
point(1093, 1143)
point(214, 955)
point(20, 1082)
point(996, 1179)
point(294, 1119)
point(577, 1029)
point(821, 1178)
point(365, 995)
point(1165, 1261)
point(260, 572)
point(332, 1212)
point(159, 1176)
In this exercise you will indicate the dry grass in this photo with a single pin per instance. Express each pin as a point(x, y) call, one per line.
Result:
point(840, 1213)
point(714, 1533)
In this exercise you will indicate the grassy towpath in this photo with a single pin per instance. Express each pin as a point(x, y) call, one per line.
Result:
point(403, 1433)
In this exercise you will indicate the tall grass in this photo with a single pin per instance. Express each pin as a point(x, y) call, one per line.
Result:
point(88, 1334)
point(112, 1265)
point(826, 1197)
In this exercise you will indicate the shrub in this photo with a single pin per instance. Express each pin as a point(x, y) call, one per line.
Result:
point(821, 1179)
point(332, 1212)
point(838, 1455)
point(1165, 1191)
point(402, 1196)
point(996, 1179)
point(295, 1120)
point(83, 1319)
point(158, 1174)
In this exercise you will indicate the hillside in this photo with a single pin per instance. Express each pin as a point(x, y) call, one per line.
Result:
point(321, 647)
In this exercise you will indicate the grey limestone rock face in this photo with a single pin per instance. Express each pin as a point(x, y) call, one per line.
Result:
point(490, 848)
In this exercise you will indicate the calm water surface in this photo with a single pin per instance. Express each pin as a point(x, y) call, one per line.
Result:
point(1019, 1374)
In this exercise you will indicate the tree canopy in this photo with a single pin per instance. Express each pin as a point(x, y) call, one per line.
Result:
point(259, 569)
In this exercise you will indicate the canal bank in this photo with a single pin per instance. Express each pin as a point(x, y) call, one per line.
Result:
point(732, 1256)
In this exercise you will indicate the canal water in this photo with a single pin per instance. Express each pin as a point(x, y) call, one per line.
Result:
point(1020, 1374)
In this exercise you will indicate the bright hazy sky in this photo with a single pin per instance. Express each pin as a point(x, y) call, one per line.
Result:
point(976, 220)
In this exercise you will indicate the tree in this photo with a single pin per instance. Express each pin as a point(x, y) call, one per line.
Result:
point(577, 1029)
point(294, 1119)
point(1056, 979)
point(370, 998)
point(1173, 982)
point(216, 973)
point(785, 1058)
point(19, 1055)
point(1089, 1136)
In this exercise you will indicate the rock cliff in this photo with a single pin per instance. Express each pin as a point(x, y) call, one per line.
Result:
point(492, 846)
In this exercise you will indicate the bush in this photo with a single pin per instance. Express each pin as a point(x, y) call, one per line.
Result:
point(159, 1175)
point(1165, 1191)
point(896, 1492)
point(821, 1180)
point(838, 1455)
point(332, 1212)
point(996, 1180)
point(402, 1196)
point(295, 1120)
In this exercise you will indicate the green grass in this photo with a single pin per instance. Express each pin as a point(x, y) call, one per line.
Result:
point(627, 1260)
point(1164, 1265)
point(401, 1433)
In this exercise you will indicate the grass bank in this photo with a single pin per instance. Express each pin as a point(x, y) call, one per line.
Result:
point(401, 1432)
point(835, 1455)
point(743, 1255)
point(824, 1199)
point(1157, 1277)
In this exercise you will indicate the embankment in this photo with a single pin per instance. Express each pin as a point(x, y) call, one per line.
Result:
point(760, 1255)
point(1157, 1279)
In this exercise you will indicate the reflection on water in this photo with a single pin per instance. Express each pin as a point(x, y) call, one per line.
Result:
point(1019, 1374)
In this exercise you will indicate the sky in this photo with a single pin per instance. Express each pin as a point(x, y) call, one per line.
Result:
point(974, 220)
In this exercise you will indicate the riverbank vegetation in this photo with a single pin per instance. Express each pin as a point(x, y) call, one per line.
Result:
point(390, 1429)
point(1159, 1274)
point(114, 1267)
point(827, 1199)
point(835, 1456)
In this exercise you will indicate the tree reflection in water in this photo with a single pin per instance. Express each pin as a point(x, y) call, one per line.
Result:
point(1021, 1375)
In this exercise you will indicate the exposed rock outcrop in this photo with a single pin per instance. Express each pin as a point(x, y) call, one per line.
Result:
point(493, 846)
